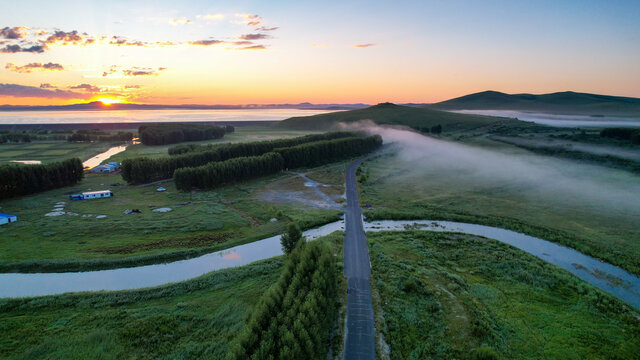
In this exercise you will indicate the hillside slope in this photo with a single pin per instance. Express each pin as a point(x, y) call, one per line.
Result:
point(567, 102)
point(391, 114)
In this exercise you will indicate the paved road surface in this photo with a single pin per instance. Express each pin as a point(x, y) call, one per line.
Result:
point(360, 341)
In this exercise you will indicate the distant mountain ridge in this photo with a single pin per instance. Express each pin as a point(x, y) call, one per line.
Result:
point(391, 114)
point(97, 105)
point(567, 102)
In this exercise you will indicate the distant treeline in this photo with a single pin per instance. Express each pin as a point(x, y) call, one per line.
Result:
point(433, 130)
point(14, 137)
point(100, 135)
point(143, 170)
point(258, 147)
point(630, 134)
point(294, 318)
point(243, 168)
point(16, 180)
point(163, 134)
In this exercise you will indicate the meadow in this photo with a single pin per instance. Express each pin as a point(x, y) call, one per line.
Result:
point(446, 295)
point(50, 151)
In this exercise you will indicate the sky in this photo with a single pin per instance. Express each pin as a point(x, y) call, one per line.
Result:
point(265, 52)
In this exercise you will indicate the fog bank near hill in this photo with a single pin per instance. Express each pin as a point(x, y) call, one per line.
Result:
point(537, 177)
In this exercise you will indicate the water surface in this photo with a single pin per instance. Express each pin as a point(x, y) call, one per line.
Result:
point(96, 160)
point(561, 120)
point(170, 115)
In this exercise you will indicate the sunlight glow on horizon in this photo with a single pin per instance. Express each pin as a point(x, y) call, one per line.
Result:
point(164, 52)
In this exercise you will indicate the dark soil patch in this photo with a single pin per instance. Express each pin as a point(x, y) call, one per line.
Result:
point(196, 241)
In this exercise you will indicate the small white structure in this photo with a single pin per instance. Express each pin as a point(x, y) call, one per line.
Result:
point(161, 189)
point(6, 218)
point(92, 195)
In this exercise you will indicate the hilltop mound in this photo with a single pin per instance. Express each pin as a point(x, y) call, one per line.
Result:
point(567, 102)
point(392, 114)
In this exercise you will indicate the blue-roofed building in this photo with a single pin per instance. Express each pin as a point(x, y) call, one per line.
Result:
point(6, 218)
point(106, 168)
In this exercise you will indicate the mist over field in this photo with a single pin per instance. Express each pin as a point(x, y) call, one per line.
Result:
point(532, 175)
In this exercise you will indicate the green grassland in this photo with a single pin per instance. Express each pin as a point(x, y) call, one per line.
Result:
point(49, 151)
point(194, 319)
point(396, 191)
point(202, 222)
point(391, 114)
point(445, 296)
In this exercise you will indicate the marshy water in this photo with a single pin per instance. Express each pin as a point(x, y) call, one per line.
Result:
point(607, 277)
point(561, 120)
point(96, 160)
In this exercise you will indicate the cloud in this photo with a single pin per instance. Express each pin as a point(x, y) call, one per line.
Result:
point(86, 87)
point(263, 28)
point(120, 41)
point(67, 38)
point(16, 32)
point(47, 86)
point(139, 71)
point(210, 16)
point(253, 36)
point(180, 21)
point(9, 49)
point(34, 66)
point(249, 19)
point(205, 42)
point(254, 47)
point(132, 86)
point(243, 42)
point(16, 90)
point(362, 46)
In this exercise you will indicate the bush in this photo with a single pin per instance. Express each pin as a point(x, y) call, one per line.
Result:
point(290, 239)
point(485, 353)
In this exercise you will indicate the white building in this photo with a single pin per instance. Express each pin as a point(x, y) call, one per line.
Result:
point(96, 194)
point(6, 218)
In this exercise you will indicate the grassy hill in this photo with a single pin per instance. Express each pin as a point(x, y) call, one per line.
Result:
point(567, 102)
point(391, 114)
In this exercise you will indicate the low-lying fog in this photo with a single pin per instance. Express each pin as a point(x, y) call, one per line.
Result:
point(532, 175)
point(561, 120)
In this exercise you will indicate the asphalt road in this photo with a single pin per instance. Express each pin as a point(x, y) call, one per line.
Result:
point(360, 334)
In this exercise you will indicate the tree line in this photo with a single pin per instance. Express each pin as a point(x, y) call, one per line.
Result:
point(630, 134)
point(143, 170)
point(258, 147)
point(294, 318)
point(237, 169)
point(221, 172)
point(99, 135)
point(16, 180)
point(163, 134)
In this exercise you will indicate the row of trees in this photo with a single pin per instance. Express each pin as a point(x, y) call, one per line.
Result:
point(232, 170)
point(14, 137)
point(437, 129)
point(630, 134)
point(258, 147)
point(237, 169)
point(16, 180)
point(293, 319)
point(104, 136)
point(143, 170)
point(163, 134)
point(322, 152)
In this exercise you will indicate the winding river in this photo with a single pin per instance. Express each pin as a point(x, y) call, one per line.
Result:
point(607, 277)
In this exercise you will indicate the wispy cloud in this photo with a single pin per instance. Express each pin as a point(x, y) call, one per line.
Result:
point(16, 32)
point(263, 28)
point(205, 42)
point(34, 66)
point(60, 37)
point(47, 86)
point(254, 47)
point(120, 41)
point(140, 71)
point(180, 21)
point(86, 87)
point(363, 46)
point(15, 90)
point(9, 49)
point(253, 36)
point(249, 19)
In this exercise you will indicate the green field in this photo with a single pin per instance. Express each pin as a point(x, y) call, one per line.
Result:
point(195, 319)
point(49, 151)
point(446, 296)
